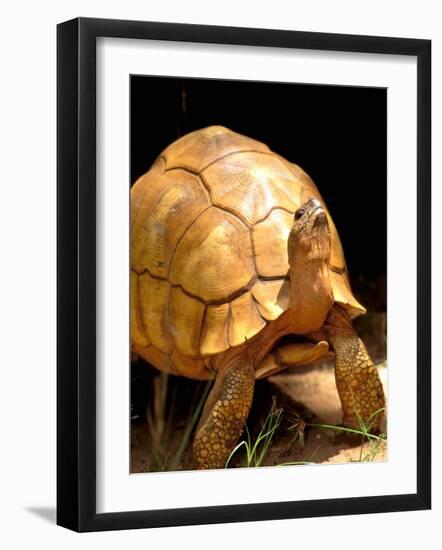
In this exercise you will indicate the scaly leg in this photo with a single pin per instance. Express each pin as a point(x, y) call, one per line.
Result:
point(224, 414)
point(357, 379)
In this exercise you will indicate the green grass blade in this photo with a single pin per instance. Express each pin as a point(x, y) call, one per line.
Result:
point(190, 426)
point(344, 429)
point(231, 455)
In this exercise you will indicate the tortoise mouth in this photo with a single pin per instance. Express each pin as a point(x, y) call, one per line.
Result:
point(316, 224)
point(320, 221)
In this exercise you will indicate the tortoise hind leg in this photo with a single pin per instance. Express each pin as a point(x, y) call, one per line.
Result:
point(224, 414)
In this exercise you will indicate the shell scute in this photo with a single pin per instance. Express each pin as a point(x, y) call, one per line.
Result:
point(144, 191)
point(250, 185)
point(189, 366)
point(245, 322)
point(214, 337)
point(203, 260)
point(186, 318)
point(272, 297)
point(343, 294)
point(161, 360)
point(198, 149)
point(182, 199)
point(154, 296)
point(270, 244)
point(137, 331)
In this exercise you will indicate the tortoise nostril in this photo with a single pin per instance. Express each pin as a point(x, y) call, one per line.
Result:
point(321, 219)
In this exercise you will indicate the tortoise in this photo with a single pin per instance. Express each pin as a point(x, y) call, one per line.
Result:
point(232, 250)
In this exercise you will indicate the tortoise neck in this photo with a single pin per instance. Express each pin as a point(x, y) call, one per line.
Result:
point(311, 294)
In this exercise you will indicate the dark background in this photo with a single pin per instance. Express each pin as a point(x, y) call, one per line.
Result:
point(336, 134)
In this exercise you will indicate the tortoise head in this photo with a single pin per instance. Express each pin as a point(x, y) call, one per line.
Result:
point(310, 236)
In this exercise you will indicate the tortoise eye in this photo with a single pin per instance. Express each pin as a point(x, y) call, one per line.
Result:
point(299, 213)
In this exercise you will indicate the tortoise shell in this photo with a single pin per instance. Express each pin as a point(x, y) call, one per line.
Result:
point(209, 267)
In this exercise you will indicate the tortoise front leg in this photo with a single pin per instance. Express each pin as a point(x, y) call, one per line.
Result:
point(357, 379)
point(224, 414)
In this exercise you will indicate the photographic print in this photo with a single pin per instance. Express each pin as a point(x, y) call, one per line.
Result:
point(258, 274)
point(223, 298)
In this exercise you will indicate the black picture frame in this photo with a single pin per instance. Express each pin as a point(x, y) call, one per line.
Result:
point(76, 273)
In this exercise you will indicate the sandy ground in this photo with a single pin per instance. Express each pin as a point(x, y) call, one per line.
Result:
point(307, 396)
point(315, 390)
